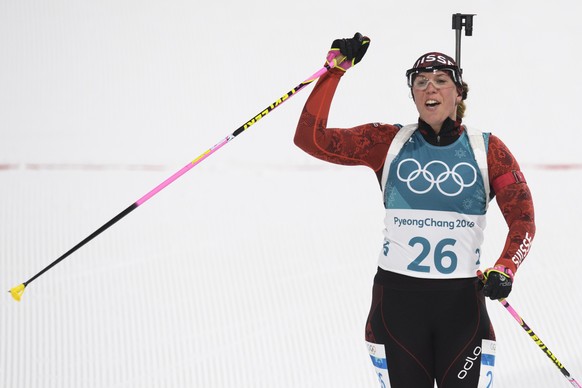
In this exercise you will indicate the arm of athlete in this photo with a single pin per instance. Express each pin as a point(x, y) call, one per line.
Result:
point(516, 205)
point(362, 145)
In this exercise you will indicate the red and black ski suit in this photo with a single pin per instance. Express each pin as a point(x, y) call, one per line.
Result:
point(428, 326)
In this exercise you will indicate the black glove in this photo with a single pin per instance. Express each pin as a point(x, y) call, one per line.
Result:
point(345, 53)
point(498, 282)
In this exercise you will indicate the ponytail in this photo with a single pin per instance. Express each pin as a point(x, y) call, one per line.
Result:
point(461, 108)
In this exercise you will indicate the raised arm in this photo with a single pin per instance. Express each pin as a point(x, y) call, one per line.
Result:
point(362, 145)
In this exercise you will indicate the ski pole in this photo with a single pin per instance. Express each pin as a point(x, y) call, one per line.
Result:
point(533, 336)
point(459, 21)
point(539, 342)
point(17, 291)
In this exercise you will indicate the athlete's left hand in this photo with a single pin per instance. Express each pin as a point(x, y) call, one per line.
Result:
point(498, 281)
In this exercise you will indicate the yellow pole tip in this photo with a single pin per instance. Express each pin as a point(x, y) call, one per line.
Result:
point(17, 292)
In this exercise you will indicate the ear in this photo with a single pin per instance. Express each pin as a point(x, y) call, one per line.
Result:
point(459, 96)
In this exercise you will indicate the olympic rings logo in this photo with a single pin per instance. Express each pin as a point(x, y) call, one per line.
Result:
point(421, 180)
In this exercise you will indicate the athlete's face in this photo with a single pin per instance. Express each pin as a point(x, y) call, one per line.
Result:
point(436, 98)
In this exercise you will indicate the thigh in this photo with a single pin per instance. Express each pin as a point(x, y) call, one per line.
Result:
point(464, 334)
point(396, 323)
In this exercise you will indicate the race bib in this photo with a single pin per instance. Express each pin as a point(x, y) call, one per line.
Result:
point(432, 244)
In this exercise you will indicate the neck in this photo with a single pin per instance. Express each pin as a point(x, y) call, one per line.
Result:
point(447, 133)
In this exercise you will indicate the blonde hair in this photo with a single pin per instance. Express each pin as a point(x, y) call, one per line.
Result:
point(461, 108)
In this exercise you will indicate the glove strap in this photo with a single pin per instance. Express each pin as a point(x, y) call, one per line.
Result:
point(504, 270)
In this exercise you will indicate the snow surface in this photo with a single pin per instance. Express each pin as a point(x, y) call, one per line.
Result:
point(255, 268)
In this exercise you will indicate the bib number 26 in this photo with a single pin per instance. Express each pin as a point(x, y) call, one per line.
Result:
point(445, 260)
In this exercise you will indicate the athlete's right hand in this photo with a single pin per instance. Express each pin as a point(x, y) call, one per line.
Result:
point(345, 53)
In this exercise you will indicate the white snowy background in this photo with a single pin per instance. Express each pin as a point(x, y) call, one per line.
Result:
point(255, 268)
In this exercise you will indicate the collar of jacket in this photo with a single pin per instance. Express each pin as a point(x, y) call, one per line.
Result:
point(450, 131)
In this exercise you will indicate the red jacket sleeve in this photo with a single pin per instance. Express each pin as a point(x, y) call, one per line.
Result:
point(365, 145)
point(515, 202)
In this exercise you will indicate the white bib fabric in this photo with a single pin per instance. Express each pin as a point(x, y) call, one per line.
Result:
point(436, 199)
